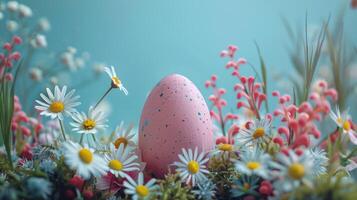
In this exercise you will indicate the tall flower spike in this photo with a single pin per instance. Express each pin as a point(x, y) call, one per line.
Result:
point(116, 82)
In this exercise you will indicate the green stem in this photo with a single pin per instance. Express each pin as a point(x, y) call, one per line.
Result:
point(62, 129)
point(222, 124)
point(81, 140)
point(351, 153)
point(94, 139)
point(101, 99)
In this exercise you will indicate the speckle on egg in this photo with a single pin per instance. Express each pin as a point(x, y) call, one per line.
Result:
point(175, 110)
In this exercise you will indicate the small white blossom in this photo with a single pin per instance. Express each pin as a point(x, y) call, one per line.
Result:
point(12, 6)
point(68, 60)
point(99, 68)
point(39, 41)
point(36, 74)
point(24, 11)
point(79, 62)
point(54, 80)
point(12, 26)
point(71, 50)
point(44, 24)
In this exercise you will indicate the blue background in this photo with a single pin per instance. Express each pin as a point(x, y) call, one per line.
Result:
point(150, 39)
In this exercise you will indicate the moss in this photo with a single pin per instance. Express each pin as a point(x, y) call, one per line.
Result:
point(327, 187)
point(222, 174)
point(173, 188)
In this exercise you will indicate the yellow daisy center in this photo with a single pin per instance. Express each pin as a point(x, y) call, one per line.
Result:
point(115, 165)
point(142, 190)
point(346, 126)
point(296, 171)
point(193, 167)
point(339, 120)
point(116, 82)
point(259, 132)
point(85, 155)
point(246, 186)
point(225, 147)
point(253, 165)
point(120, 140)
point(88, 124)
point(56, 107)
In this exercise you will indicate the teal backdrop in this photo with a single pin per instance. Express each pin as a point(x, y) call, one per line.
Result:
point(149, 39)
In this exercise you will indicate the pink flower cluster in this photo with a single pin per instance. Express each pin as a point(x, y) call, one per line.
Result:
point(299, 122)
point(216, 111)
point(248, 93)
point(8, 57)
point(78, 183)
point(21, 122)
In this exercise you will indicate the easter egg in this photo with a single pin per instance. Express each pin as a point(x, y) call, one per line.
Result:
point(175, 116)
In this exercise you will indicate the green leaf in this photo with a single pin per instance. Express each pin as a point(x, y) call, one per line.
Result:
point(264, 75)
point(7, 93)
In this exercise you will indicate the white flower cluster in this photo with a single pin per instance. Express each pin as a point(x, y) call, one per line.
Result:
point(73, 62)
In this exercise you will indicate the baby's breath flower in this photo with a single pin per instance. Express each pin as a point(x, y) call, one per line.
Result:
point(12, 6)
point(24, 11)
point(12, 26)
point(44, 24)
point(36, 74)
point(39, 41)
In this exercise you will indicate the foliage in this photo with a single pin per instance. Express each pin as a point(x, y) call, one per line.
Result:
point(171, 187)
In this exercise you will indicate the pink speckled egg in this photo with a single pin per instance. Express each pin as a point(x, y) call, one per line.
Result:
point(175, 116)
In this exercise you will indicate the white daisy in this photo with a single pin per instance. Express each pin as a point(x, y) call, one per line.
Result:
point(124, 137)
point(224, 149)
point(91, 123)
point(83, 160)
point(258, 133)
point(121, 160)
point(138, 189)
point(343, 122)
point(293, 170)
point(58, 103)
point(254, 161)
point(192, 167)
point(320, 161)
point(116, 82)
